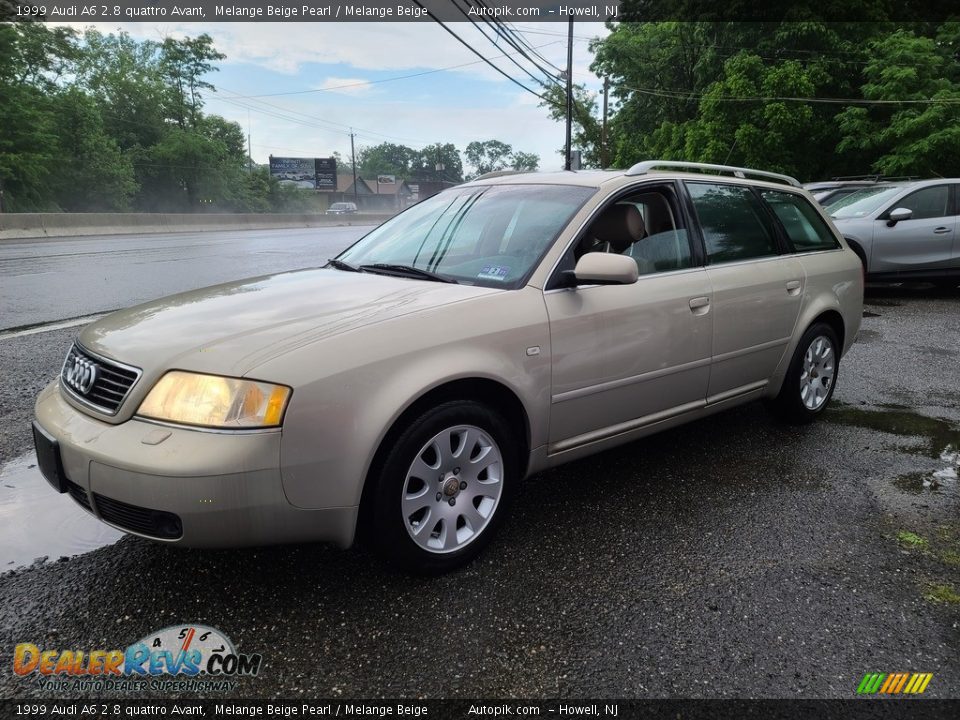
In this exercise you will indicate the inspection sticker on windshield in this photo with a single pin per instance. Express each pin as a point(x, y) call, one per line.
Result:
point(494, 272)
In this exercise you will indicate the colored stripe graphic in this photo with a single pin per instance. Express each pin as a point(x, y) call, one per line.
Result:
point(870, 683)
point(894, 683)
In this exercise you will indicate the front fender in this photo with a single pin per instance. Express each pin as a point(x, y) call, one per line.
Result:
point(337, 419)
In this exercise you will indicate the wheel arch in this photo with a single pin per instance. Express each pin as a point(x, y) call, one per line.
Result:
point(858, 248)
point(834, 319)
point(485, 391)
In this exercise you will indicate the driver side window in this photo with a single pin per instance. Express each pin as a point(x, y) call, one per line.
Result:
point(644, 226)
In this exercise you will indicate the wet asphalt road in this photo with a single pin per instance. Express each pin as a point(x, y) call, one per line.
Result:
point(51, 278)
point(734, 557)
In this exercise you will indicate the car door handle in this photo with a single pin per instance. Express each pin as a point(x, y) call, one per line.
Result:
point(793, 287)
point(700, 305)
point(941, 230)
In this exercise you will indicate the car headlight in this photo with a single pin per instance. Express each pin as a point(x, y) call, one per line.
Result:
point(214, 401)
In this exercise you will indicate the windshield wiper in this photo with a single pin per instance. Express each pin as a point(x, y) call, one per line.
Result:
point(406, 271)
point(342, 265)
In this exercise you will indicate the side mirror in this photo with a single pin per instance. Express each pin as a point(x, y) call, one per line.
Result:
point(898, 214)
point(597, 268)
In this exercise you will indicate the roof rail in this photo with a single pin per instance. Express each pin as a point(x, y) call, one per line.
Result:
point(500, 173)
point(642, 168)
point(877, 178)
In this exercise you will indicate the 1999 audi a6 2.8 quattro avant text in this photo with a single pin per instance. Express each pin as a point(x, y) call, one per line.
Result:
point(492, 331)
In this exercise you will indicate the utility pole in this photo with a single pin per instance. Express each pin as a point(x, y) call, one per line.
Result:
point(566, 165)
point(603, 131)
point(353, 163)
point(249, 150)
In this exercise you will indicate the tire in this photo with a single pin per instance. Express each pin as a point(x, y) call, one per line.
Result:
point(442, 521)
point(811, 377)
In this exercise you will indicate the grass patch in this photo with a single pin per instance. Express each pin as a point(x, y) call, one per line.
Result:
point(911, 539)
point(943, 594)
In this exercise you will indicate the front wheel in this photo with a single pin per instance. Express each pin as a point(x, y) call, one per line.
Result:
point(443, 488)
point(812, 375)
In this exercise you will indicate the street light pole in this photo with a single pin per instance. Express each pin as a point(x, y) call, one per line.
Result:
point(566, 165)
point(353, 163)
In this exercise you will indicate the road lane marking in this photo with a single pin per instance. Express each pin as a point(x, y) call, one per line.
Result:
point(50, 326)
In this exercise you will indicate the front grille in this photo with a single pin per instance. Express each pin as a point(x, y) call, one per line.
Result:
point(79, 494)
point(155, 523)
point(111, 385)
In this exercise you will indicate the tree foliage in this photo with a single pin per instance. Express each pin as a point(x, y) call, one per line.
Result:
point(740, 93)
point(106, 122)
point(493, 155)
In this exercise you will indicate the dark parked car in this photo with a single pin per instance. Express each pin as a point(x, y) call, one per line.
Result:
point(342, 208)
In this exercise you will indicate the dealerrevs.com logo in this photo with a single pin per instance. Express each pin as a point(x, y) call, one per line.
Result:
point(200, 658)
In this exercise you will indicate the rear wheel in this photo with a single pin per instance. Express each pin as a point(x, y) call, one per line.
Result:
point(812, 375)
point(444, 486)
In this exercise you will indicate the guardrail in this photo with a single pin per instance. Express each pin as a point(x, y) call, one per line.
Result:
point(40, 225)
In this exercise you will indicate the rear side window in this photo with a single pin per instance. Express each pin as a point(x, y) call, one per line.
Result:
point(805, 228)
point(734, 222)
point(931, 202)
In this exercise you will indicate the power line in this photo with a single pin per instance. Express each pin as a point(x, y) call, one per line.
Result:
point(346, 86)
point(320, 123)
point(477, 52)
point(509, 41)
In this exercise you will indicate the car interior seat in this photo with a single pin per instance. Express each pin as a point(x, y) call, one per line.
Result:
point(615, 231)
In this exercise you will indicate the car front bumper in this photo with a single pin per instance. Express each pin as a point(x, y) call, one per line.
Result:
point(189, 487)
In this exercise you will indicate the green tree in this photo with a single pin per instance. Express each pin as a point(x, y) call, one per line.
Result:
point(125, 77)
point(32, 57)
point(921, 134)
point(488, 156)
point(184, 63)
point(524, 161)
point(386, 159)
point(445, 155)
point(710, 91)
point(92, 173)
point(587, 127)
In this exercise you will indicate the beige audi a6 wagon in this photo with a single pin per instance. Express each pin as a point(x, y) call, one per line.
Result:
point(499, 328)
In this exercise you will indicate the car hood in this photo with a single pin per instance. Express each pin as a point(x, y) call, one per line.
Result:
point(234, 327)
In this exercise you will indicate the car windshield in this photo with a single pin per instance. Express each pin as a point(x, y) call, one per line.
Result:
point(863, 202)
point(490, 236)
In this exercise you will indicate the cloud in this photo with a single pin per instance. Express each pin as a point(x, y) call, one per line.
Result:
point(345, 86)
point(351, 52)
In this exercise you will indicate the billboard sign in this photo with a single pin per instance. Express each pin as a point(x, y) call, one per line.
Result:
point(306, 173)
point(386, 179)
point(300, 172)
point(326, 174)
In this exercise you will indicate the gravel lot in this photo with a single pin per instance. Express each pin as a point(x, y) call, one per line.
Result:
point(734, 557)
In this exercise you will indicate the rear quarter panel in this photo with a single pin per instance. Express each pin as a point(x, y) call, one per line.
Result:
point(833, 281)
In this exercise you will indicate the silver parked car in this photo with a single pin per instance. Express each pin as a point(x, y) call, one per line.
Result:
point(904, 231)
point(492, 331)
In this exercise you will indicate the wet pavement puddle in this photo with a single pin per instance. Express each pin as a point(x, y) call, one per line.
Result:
point(36, 521)
point(942, 435)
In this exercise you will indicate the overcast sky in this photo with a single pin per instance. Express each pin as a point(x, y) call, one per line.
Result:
point(458, 105)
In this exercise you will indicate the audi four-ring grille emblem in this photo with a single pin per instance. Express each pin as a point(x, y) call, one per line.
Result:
point(82, 375)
